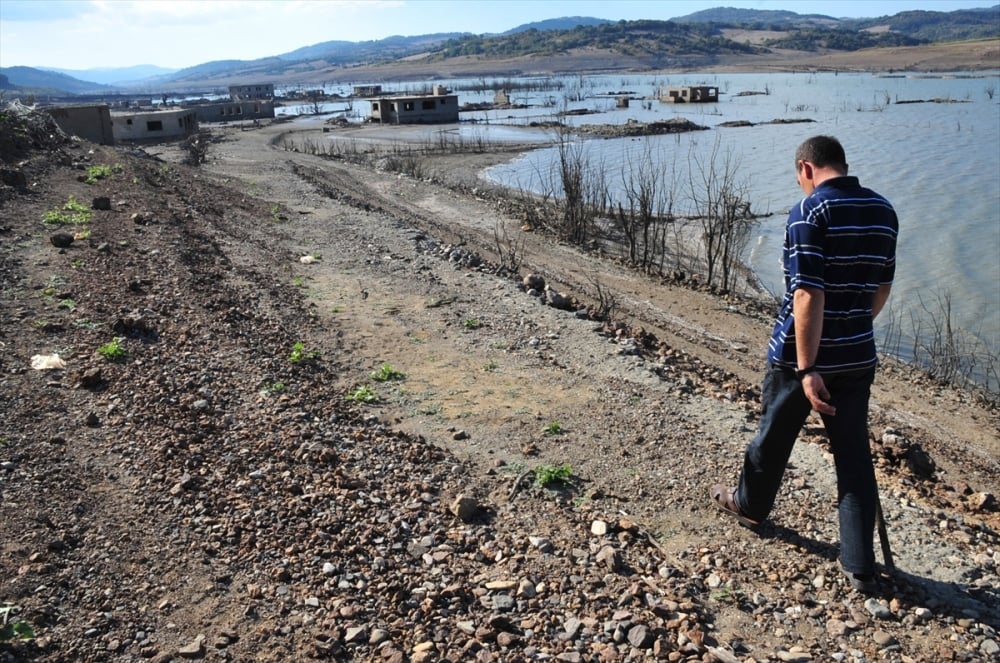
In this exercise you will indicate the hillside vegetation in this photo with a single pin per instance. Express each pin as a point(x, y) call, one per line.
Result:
point(702, 39)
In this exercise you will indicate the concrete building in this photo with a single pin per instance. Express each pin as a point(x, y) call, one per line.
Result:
point(154, 125)
point(689, 94)
point(366, 91)
point(251, 92)
point(90, 122)
point(437, 108)
point(234, 111)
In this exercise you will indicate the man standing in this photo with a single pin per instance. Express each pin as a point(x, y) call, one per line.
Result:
point(839, 260)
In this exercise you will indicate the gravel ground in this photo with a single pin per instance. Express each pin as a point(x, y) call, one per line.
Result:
point(223, 491)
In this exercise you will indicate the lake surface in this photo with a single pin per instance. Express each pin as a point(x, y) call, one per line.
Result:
point(938, 162)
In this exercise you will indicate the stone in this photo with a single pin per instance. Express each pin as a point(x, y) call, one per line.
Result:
point(194, 649)
point(640, 637)
point(598, 528)
point(877, 610)
point(836, 628)
point(464, 508)
point(61, 239)
point(505, 639)
point(355, 634)
point(534, 282)
point(101, 203)
point(883, 639)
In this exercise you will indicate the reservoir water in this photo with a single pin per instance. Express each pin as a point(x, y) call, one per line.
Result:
point(938, 162)
point(936, 158)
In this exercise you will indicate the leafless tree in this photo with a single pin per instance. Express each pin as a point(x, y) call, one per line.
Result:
point(721, 205)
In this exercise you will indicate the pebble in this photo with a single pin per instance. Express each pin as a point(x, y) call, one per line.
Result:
point(877, 610)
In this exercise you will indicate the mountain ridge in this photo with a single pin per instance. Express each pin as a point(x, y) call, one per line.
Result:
point(695, 40)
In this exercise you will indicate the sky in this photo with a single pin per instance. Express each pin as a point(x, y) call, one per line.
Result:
point(92, 34)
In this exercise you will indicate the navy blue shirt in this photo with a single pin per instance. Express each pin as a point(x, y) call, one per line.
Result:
point(840, 239)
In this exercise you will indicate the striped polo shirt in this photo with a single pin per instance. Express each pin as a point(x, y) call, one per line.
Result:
point(840, 239)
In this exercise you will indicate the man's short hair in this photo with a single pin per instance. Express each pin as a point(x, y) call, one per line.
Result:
point(822, 151)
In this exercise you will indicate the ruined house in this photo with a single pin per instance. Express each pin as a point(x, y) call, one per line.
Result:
point(234, 111)
point(251, 92)
point(366, 91)
point(89, 122)
point(437, 108)
point(154, 125)
point(689, 94)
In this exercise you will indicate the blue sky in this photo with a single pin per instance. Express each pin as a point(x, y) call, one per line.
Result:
point(85, 34)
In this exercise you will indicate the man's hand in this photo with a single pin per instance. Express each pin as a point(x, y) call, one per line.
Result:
point(815, 390)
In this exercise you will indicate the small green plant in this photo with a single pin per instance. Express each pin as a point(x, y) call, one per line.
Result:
point(363, 394)
point(298, 282)
point(13, 629)
point(490, 366)
point(113, 349)
point(97, 172)
point(68, 304)
point(472, 323)
point(275, 388)
point(72, 213)
point(553, 428)
point(76, 263)
point(276, 214)
point(386, 373)
point(299, 353)
point(550, 475)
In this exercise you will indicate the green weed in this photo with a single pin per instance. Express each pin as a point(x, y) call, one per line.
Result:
point(386, 373)
point(472, 323)
point(13, 629)
point(363, 394)
point(550, 475)
point(97, 172)
point(553, 428)
point(72, 213)
point(490, 366)
point(113, 349)
point(299, 353)
point(275, 388)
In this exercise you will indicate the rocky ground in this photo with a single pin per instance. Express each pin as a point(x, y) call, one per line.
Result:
point(324, 434)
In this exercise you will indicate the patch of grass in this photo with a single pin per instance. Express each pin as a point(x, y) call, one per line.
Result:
point(490, 366)
point(68, 304)
point(363, 394)
point(551, 475)
point(275, 388)
point(472, 323)
point(113, 349)
point(386, 373)
point(430, 410)
point(97, 172)
point(298, 282)
point(72, 213)
point(552, 428)
point(13, 628)
point(300, 354)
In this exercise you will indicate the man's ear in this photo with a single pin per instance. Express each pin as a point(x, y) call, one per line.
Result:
point(807, 170)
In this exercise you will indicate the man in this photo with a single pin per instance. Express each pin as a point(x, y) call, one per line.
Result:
point(839, 260)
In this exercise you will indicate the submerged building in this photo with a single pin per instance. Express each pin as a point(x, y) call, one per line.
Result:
point(437, 108)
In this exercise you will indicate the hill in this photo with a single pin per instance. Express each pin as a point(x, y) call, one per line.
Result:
point(710, 38)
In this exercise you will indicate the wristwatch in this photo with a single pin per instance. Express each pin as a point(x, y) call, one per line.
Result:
point(802, 372)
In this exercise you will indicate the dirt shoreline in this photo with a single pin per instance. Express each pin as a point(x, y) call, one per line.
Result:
point(206, 496)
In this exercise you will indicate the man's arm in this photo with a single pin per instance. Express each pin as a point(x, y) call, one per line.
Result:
point(881, 295)
point(807, 307)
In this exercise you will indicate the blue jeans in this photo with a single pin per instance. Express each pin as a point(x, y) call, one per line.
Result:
point(785, 409)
